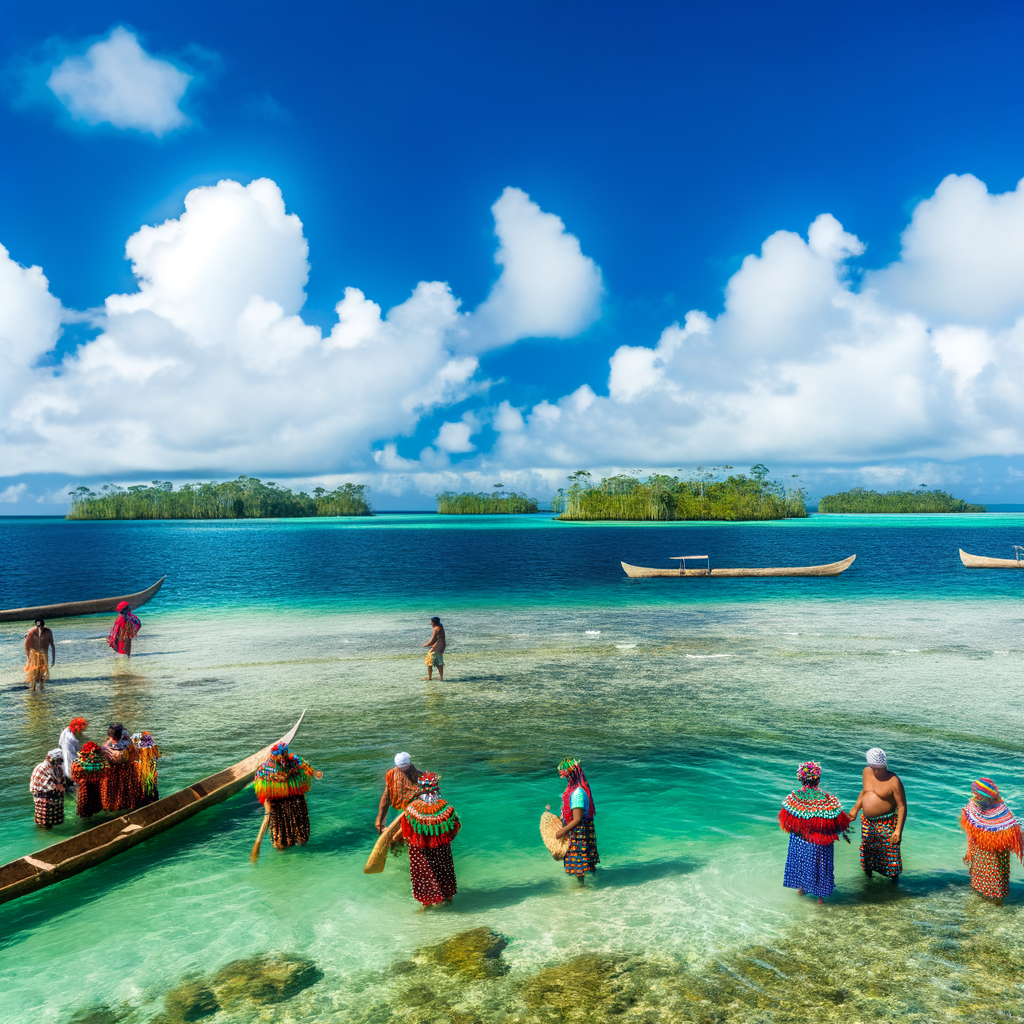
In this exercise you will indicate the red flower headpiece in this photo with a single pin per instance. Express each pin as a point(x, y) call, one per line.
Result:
point(78, 724)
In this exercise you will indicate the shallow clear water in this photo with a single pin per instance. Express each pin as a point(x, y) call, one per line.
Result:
point(690, 703)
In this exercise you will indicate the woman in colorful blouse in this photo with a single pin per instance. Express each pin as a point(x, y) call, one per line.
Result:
point(814, 821)
point(429, 826)
point(281, 784)
point(124, 630)
point(578, 812)
point(992, 834)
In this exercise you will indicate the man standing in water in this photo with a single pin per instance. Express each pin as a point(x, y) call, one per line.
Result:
point(435, 653)
point(401, 787)
point(37, 643)
point(884, 804)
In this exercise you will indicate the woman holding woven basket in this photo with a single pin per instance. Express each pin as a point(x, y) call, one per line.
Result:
point(578, 812)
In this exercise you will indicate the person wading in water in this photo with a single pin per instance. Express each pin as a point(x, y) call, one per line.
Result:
point(37, 643)
point(401, 787)
point(884, 804)
point(435, 654)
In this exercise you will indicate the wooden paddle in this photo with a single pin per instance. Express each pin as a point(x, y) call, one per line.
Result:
point(379, 856)
point(255, 855)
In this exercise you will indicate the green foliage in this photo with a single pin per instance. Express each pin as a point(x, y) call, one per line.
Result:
point(498, 503)
point(244, 498)
point(860, 500)
point(704, 495)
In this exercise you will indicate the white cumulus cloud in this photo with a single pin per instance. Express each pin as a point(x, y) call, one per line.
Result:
point(116, 82)
point(208, 364)
point(802, 365)
point(547, 287)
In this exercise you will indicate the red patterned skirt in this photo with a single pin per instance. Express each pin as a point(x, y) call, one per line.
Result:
point(49, 810)
point(120, 789)
point(990, 872)
point(582, 855)
point(877, 850)
point(433, 874)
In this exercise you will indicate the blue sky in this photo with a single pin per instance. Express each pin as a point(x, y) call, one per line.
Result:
point(673, 142)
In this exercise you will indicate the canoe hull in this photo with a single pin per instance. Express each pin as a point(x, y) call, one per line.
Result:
point(980, 562)
point(68, 608)
point(101, 842)
point(832, 569)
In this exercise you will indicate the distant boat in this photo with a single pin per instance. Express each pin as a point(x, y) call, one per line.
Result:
point(832, 569)
point(69, 608)
point(980, 562)
point(106, 840)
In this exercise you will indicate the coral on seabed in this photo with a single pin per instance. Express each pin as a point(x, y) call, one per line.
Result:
point(935, 957)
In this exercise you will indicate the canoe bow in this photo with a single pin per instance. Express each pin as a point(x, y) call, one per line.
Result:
point(66, 609)
point(101, 842)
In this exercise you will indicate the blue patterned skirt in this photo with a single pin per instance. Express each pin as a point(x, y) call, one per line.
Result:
point(809, 867)
point(582, 854)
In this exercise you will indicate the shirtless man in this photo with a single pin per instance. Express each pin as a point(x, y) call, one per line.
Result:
point(436, 645)
point(38, 641)
point(884, 804)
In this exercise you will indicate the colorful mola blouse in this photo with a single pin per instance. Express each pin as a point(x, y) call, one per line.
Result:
point(813, 815)
point(430, 824)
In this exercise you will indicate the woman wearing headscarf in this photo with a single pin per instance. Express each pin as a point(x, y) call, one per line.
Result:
point(993, 833)
point(814, 820)
point(429, 826)
point(125, 629)
point(578, 812)
point(281, 784)
point(47, 787)
point(120, 789)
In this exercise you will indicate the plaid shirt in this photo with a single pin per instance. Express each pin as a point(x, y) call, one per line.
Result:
point(47, 780)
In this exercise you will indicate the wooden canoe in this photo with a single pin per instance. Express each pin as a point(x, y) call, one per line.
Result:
point(100, 843)
point(69, 608)
point(980, 562)
point(832, 569)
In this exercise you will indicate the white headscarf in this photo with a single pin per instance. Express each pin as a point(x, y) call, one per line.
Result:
point(403, 760)
point(876, 757)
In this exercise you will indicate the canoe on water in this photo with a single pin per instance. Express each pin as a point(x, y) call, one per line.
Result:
point(101, 842)
point(832, 569)
point(68, 608)
point(981, 562)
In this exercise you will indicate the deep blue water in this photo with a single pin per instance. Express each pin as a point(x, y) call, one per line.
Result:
point(398, 561)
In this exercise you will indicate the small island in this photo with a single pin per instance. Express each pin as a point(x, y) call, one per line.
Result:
point(703, 496)
point(468, 503)
point(895, 502)
point(244, 498)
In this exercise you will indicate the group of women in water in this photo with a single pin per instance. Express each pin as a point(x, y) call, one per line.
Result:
point(118, 775)
point(815, 820)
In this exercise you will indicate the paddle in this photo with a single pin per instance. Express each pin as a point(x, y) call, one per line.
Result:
point(379, 856)
point(255, 855)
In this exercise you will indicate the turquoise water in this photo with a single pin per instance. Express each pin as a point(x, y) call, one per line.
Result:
point(690, 703)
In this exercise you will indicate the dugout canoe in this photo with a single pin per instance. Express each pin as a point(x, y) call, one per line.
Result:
point(68, 608)
point(108, 839)
point(832, 569)
point(981, 562)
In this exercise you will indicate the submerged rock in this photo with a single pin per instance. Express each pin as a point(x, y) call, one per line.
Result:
point(271, 978)
point(588, 988)
point(476, 953)
point(191, 1000)
point(102, 1014)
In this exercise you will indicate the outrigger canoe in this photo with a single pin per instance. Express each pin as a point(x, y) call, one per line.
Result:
point(980, 562)
point(832, 569)
point(69, 608)
point(101, 842)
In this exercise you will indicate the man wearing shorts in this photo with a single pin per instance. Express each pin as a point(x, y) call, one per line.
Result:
point(435, 650)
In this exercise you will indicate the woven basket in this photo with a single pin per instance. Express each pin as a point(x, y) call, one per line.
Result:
point(549, 825)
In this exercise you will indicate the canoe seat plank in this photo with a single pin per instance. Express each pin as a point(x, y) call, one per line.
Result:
point(41, 864)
